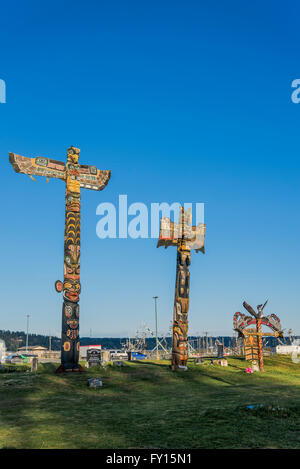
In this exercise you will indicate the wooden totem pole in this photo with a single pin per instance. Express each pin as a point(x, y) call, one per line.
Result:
point(186, 238)
point(75, 176)
point(253, 337)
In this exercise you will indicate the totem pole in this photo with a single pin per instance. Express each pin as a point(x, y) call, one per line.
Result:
point(186, 238)
point(253, 337)
point(75, 176)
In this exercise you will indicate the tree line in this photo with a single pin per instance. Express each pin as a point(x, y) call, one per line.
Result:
point(15, 339)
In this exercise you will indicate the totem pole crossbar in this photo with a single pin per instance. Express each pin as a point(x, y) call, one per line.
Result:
point(75, 176)
point(185, 237)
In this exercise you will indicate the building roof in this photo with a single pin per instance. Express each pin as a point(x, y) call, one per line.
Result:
point(97, 345)
point(33, 347)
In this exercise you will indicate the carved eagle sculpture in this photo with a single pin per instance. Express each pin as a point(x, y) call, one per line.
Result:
point(241, 321)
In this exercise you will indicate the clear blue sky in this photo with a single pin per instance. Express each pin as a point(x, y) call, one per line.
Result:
point(183, 101)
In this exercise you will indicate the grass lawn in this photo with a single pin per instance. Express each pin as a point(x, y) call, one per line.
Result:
point(146, 405)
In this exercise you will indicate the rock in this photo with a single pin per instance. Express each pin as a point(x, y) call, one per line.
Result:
point(94, 382)
point(182, 367)
point(117, 363)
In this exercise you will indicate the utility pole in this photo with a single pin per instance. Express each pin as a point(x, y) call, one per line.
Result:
point(206, 340)
point(27, 332)
point(198, 341)
point(155, 302)
point(50, 343)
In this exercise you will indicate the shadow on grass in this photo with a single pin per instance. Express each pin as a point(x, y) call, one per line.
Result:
point(149, 363)
point(13, 404)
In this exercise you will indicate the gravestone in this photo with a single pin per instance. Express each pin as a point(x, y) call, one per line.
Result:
point(93, 357)
point(34, 364)
point(220, 350)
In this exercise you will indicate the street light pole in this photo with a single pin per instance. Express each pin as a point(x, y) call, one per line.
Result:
point(27, 332)
point(155, 301)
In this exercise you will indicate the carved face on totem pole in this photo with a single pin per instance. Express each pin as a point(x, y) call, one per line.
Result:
point(181, 306)
point(73, 172)
point(73, 155)
point(183, 285)
point(71, 285)
point(72, 320)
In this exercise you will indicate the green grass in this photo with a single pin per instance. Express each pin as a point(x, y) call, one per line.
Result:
point(146, 405)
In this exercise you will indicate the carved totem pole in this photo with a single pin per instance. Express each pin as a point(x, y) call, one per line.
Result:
point(253, 337)
point(186, 238)
point(75, 176)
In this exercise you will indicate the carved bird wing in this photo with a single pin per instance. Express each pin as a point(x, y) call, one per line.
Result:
point(169, 233)
point(92, 178)
point(273, 321)
point(250, 309)
point(241, 321)
point(38, 166)
point(262, 308)
point(198, 237)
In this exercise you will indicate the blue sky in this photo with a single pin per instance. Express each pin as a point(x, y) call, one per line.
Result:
point(183, 101)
